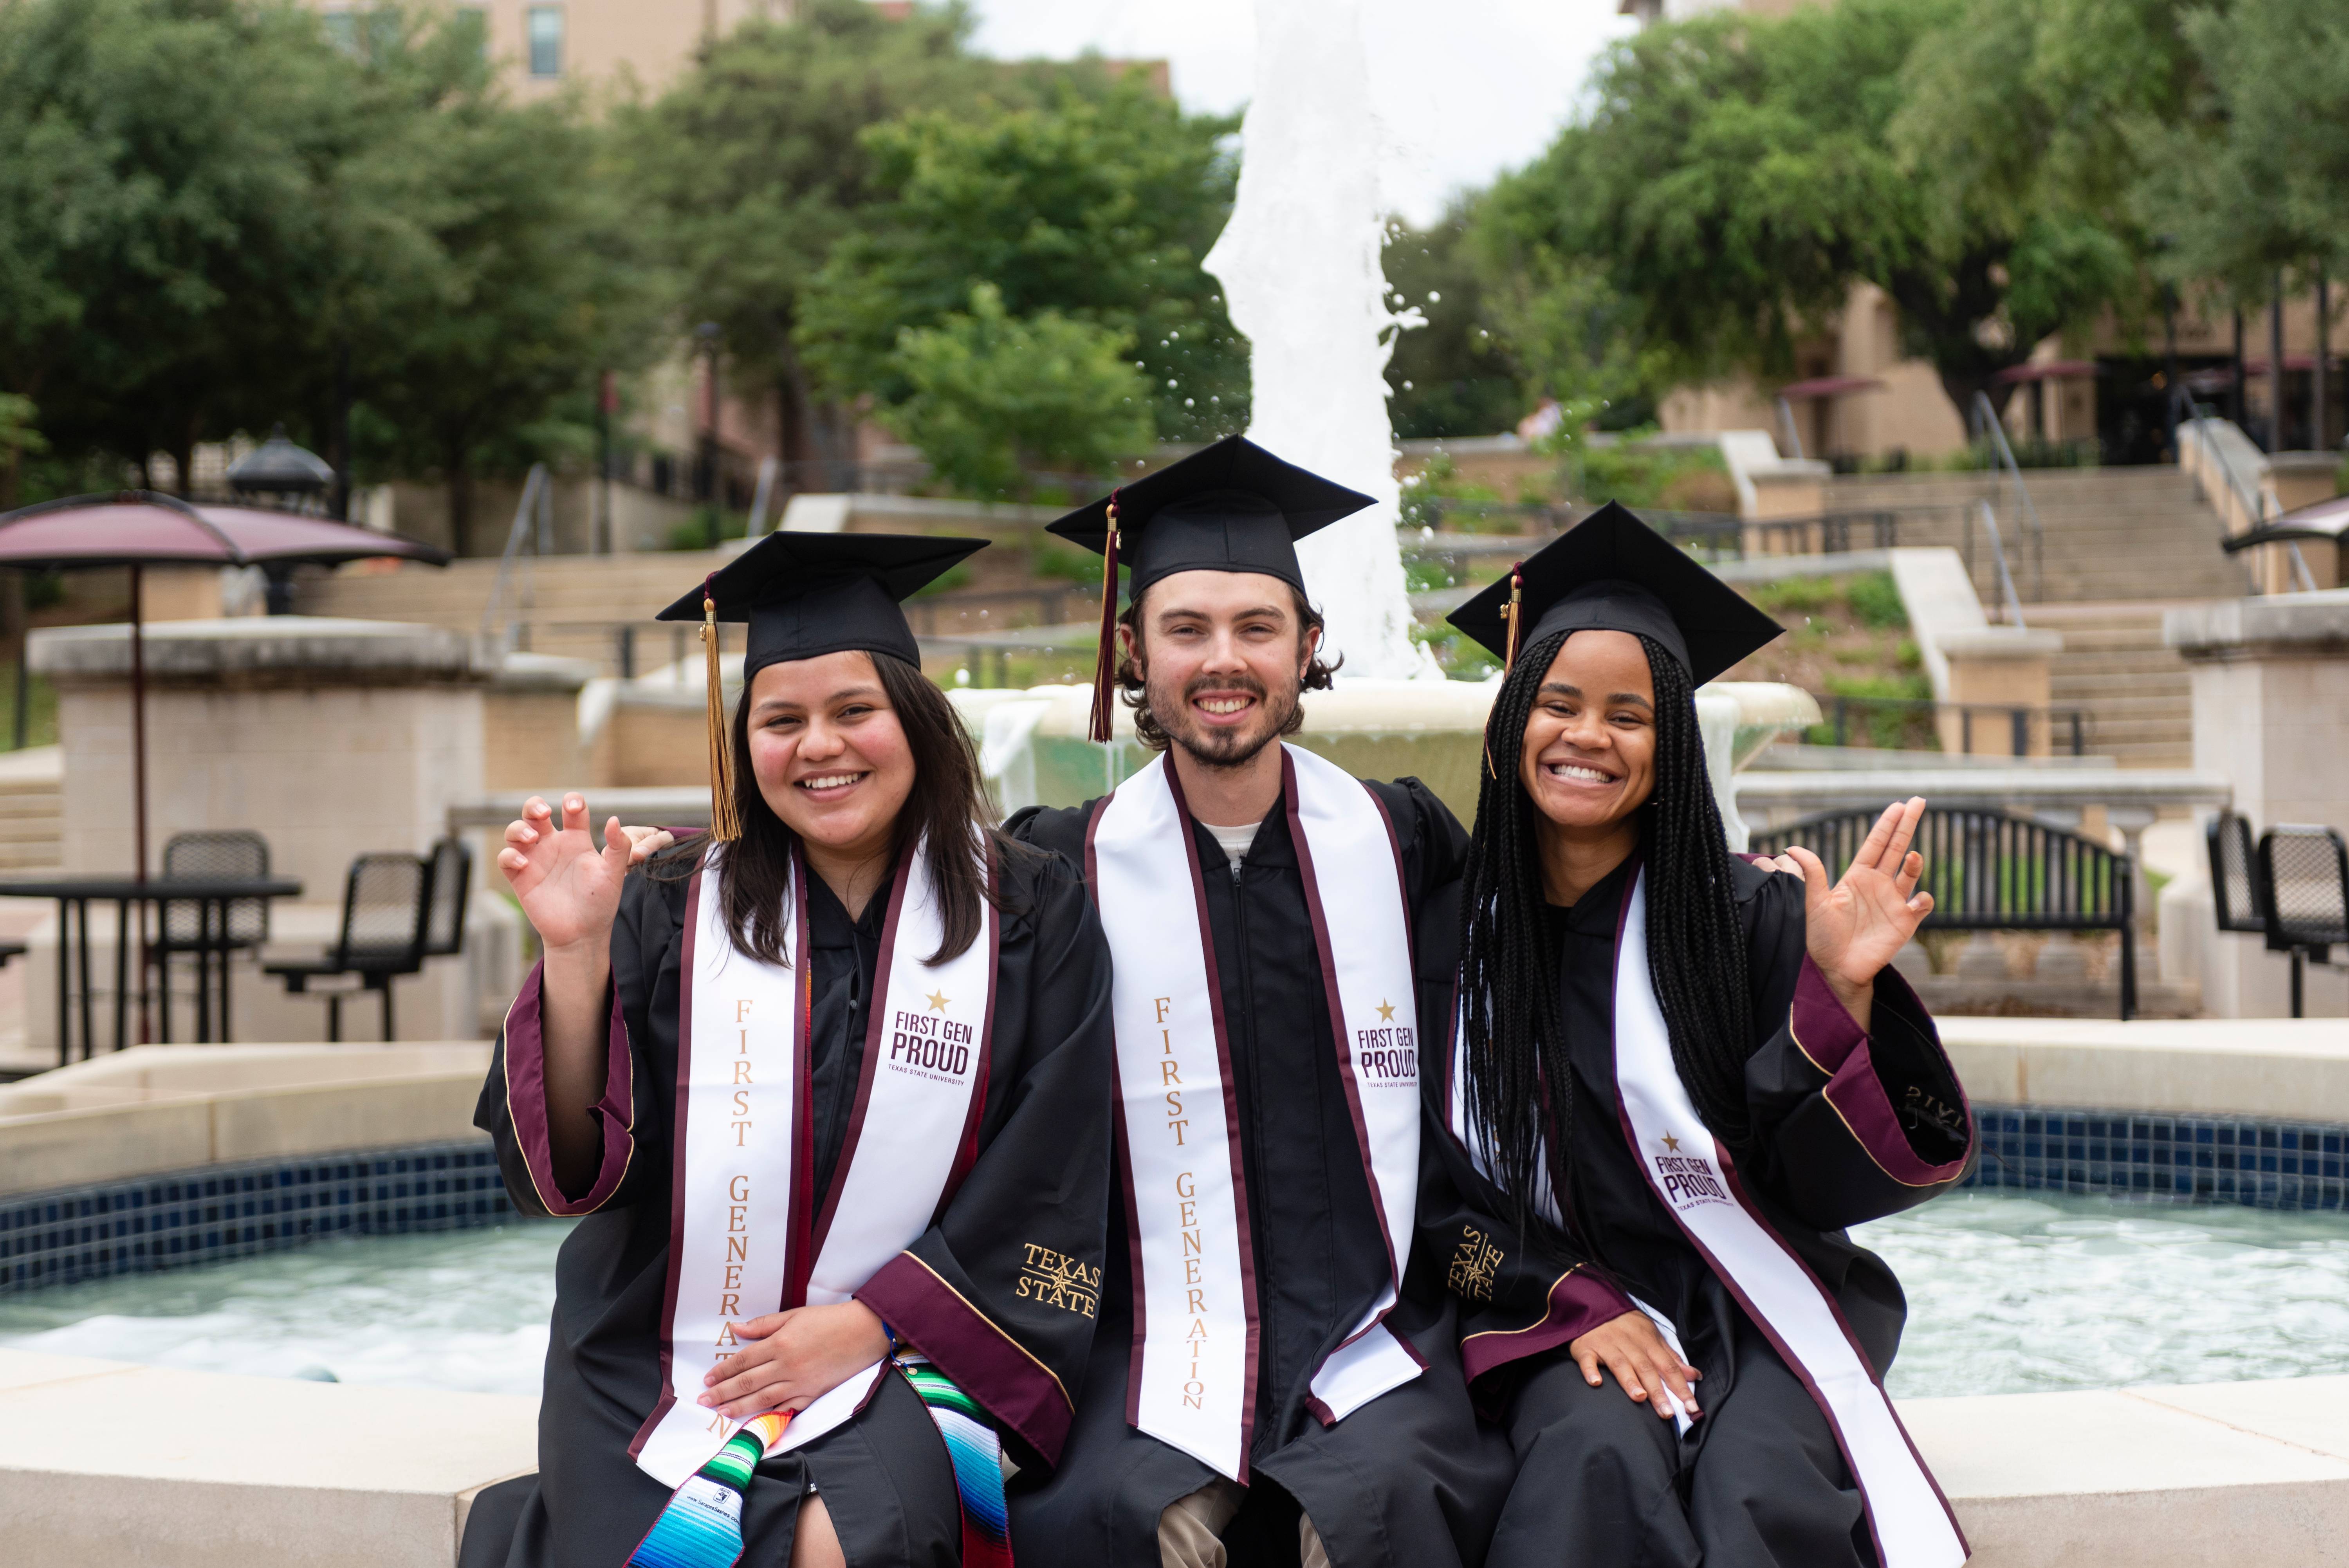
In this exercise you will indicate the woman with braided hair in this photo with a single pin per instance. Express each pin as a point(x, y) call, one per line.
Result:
point(1678, 1076)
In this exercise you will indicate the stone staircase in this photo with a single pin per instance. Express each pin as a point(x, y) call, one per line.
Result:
point(2109, 533)
point(2135, 690)
point(2119, 547)
point(31, 811)
point(571, 604)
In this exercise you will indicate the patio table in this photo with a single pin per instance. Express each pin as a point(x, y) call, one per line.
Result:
point(75, 895)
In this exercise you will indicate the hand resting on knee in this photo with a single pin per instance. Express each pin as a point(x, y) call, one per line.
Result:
point(1630, 1347)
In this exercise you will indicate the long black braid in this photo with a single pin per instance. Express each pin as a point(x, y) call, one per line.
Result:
point(1520, 1084)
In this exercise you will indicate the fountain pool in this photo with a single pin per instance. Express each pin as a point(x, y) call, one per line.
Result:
point(2007, 1294)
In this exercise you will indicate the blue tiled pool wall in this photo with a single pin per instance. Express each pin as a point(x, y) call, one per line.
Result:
point(222, 1212)
point(2215, 1159)
point(233, 1210)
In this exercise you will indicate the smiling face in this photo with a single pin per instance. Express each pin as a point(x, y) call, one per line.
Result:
point(829, 753)
point(1223, 657)
point(1589, 757)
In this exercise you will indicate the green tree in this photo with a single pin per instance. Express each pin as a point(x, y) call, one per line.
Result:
point(1451, 376)
point(2252, 179)
point(751, 168)
point(995, 399)
point(1098, 207)
point(522, 279)
point(160, 177)
point(1736, 177)
point(211, 220)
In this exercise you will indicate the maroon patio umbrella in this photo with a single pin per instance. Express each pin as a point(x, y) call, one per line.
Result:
point(138, 528)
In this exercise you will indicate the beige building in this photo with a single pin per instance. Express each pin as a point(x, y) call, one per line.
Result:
point(543, 45)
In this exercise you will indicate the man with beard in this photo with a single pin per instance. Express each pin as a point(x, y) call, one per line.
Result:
point(1275, 1376)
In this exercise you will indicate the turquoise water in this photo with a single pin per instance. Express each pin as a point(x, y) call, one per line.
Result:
point(2007, 1294)
point(2015, 1294)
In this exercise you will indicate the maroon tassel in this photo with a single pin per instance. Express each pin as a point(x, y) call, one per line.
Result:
point(1105, 656)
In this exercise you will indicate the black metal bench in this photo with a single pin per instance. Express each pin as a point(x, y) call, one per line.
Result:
point(1991, 872)
point(2303, 890)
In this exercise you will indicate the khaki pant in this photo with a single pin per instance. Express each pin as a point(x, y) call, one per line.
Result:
point(1190, 1532)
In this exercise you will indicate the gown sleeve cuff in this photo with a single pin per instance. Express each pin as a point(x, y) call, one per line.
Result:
point(966, 1345)
point(1579, 1302)
point(1838, 1047)
point(525, 1064)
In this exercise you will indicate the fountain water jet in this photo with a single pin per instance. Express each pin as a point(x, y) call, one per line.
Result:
point(1302, 275)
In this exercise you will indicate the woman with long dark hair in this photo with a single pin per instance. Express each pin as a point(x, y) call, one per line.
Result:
point(1678, 1076)
point(826, 1084)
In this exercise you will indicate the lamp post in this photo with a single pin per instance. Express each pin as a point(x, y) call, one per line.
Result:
point(290, 475)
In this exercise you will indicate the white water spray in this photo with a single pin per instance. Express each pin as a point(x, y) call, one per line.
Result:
point(1302, 275)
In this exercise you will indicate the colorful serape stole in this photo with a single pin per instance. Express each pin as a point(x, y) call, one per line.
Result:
point(977, 1456)
point(703, 1525)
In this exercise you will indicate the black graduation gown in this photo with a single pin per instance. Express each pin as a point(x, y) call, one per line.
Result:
point(1409, 1481)
point(1039, 1185)
point(1759, 1479)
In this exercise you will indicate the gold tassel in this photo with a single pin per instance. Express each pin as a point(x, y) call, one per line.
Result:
point(725, 825)
point(1516, 600)
point(1104, 707)
point(1509, 658)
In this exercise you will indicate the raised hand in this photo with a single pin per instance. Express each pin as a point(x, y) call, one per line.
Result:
point(568, 885)
point(1853, 927)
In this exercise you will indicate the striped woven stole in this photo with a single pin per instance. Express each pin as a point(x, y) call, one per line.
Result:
point(701, 1527)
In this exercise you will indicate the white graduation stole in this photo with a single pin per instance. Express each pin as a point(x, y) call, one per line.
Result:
point(747, 1235)
point(1194, 1382)
point(1698, 1183)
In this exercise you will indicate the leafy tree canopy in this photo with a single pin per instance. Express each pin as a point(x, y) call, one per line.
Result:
point(1098, 206)
point(1736, 177)
point(2251, 180)
point(995, 400)
point(753, 167)
point(212, 219)
point(1452, 376)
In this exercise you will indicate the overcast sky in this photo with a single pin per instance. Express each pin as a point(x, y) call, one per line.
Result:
point(1473, 87)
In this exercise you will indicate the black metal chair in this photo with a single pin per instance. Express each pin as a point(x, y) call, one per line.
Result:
point(9, 950)
point(1991, 872)
point(207, 931)
point(452, 883)
point(2303, 880)
point(386, 918)
point(2234, 881)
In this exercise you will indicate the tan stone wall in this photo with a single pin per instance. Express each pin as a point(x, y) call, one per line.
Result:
point(531, 740)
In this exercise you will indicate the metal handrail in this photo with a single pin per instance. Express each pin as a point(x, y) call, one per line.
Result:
point(1995, 431)
point(500, 620)
point(2185, 411)
point(1838, 711)
point(1998, 555)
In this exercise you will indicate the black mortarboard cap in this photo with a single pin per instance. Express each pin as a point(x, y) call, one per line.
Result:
point(1229, 507)
point(1612, 572)
point(805, 595)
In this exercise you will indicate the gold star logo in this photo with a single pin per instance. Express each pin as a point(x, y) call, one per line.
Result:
point(1671, 1145)
point(938, 1002)
point(1386, 1011)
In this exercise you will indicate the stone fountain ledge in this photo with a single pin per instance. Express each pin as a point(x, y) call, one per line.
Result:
point(158, 1108)
point(102, 1460)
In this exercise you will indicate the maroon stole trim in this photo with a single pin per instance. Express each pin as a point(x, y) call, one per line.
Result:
point(1729, 1281)
point(1231, 1120)
point(1322, 949)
